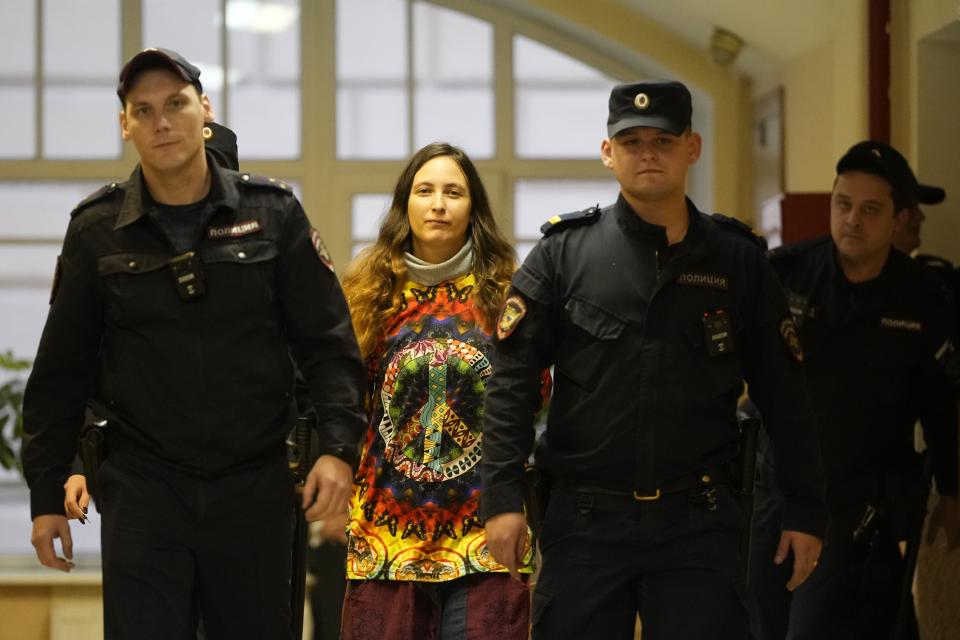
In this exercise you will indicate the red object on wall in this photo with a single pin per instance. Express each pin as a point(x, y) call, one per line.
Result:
point(878, 39)
point(804, 216)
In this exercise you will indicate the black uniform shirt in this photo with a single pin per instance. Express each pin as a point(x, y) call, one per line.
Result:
point(204, 385)
point(646, 381)
point(875, 358)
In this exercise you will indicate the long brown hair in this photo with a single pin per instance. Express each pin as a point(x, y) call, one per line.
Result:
point(374, 281)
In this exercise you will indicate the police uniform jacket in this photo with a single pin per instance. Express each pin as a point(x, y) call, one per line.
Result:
point(203, 385)
point(651, 345)
point(877, 357)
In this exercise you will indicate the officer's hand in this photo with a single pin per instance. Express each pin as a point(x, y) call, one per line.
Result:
point(806, 552)
point(77, 499)
point(506, 540)
point(945, 516)
point(45, 529)
point(330, 483)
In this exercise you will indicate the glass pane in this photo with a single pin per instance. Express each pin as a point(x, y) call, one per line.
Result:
point(368, 210)
point(561, 103)
point(264, 72)
point(463, 117)
point(196, 39)
point(81, 54)
point(25, 293)
point(18, 120)
point(17, 79)
point(537, 200)
point(260, 137)
point(372, 112)
point(39, 209)
point(360, 23)
point(81, 122)
point(372, 123)
point(453, 79)
point(17, 41)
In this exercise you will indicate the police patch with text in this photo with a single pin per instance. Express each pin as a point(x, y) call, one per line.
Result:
point(711, 280)
point(234, 230)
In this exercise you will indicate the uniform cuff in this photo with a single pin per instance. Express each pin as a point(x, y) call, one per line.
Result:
point(46, 500)
point(500, 499)
point(806, 517)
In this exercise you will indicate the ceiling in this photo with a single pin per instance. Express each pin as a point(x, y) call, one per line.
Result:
point(775, 31)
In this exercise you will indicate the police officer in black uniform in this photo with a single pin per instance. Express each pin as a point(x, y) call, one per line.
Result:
point(182, 299)
point(907, 238)
point(879, 354)
point(652, 314)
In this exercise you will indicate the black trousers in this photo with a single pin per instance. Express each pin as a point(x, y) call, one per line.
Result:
point(328, 564)
point(852, 594)
point(674, 561)
point(174, 545)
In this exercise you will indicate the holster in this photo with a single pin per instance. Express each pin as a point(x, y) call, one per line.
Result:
point(92, 449)
point(536, 493)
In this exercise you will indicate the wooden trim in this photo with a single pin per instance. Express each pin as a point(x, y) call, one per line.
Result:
point(878, 38)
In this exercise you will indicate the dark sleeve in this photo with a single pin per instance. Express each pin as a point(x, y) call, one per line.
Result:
point(63, 375)
point(936, 392)
point(321, 336)
point(774, 371)
point(514, 394)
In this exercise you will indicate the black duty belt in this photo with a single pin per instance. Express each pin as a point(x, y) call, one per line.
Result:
point(704, 478)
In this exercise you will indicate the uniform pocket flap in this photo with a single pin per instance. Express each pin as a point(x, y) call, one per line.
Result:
point(240, 252)
point(131, 263)
point(595, 320)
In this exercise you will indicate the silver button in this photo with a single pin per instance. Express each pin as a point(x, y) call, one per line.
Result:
point(241, 255)
point(132, 264)
point(245, 177)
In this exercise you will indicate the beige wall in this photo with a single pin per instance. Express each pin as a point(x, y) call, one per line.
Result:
point(925, 102)
point(825, 101)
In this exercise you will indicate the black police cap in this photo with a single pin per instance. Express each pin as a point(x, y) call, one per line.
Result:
point(153, 58)
point(884, 161)
point(928, 194)
point(665, 105)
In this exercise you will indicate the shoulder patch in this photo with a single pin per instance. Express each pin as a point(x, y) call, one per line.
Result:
point(514, 308)
point(264, 182)
point(95, 197)
point(587, 216)
point(742, 228)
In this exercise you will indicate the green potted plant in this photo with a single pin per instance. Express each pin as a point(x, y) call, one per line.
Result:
point(12, 374)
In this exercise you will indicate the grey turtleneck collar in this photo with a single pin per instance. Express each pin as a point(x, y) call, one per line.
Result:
point(429, 274)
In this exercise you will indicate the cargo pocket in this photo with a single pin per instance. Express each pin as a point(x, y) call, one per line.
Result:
point(593, 335)
point(541, 602)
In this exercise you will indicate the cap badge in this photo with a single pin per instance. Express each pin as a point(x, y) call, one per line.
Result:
point(642, 101)
point(875, 152)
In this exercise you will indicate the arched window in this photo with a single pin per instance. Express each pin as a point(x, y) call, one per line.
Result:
point(332, 95)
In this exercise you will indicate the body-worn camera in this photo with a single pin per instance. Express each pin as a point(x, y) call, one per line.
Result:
point(187, 272)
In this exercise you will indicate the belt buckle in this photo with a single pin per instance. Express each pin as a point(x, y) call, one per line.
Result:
point(649, 497)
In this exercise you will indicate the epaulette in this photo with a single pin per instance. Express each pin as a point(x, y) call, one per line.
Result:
point(934, 262)
point(796, 249)
point(742, 228)
point(269, 183)
point(95, 197)
point(563, 220)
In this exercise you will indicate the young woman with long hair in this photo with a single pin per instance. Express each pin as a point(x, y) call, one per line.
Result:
point(424, 301)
